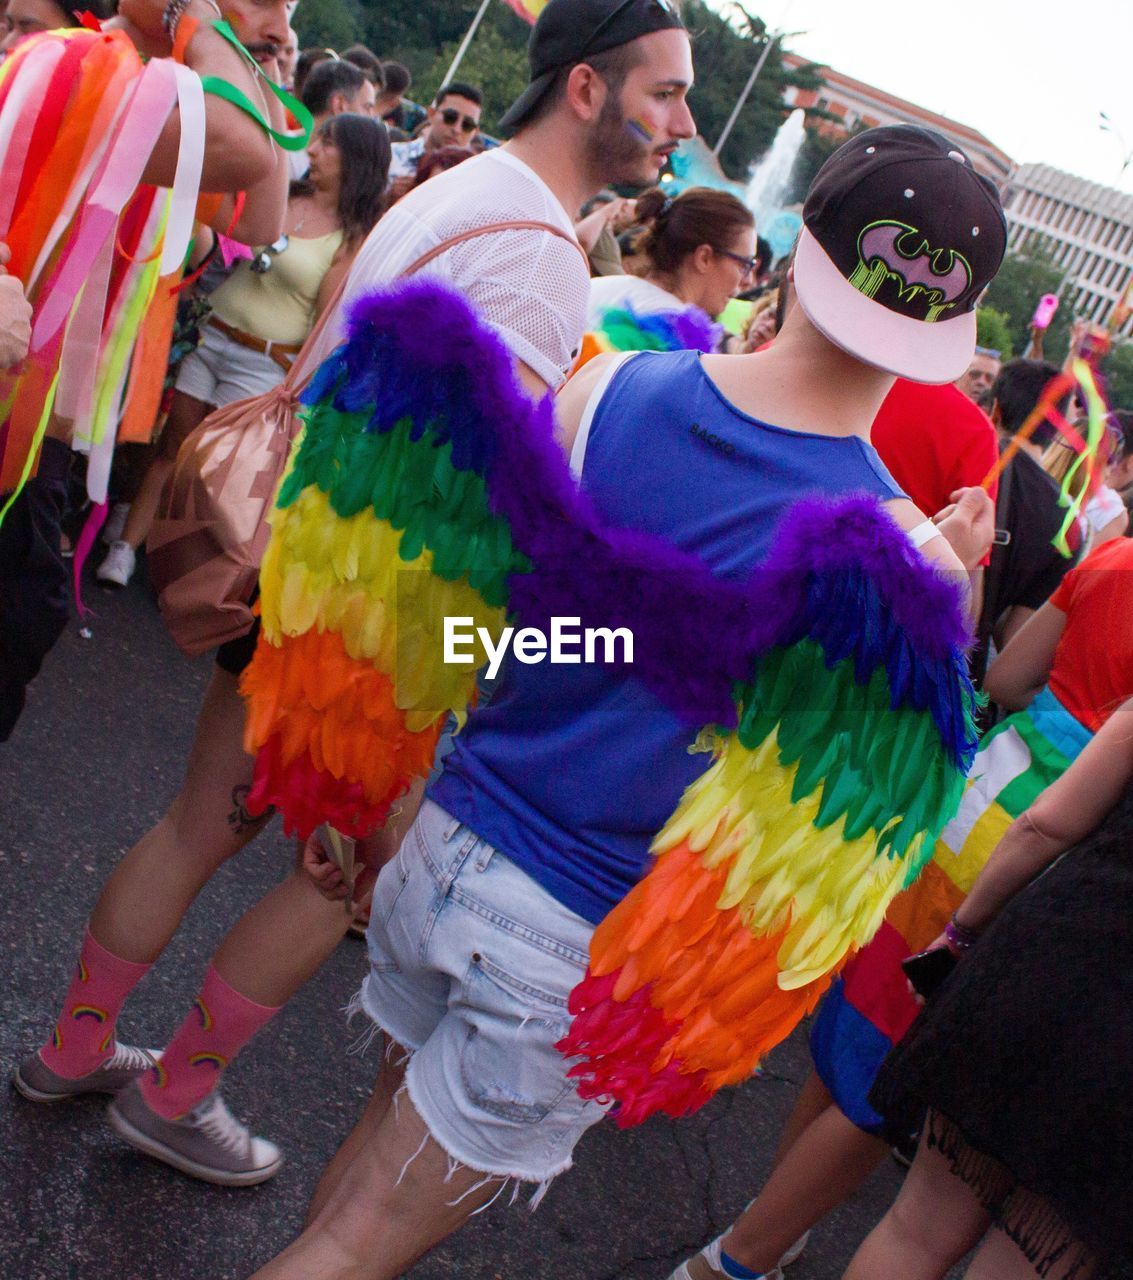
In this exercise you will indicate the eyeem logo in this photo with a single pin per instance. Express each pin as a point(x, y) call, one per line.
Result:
point(567, 643)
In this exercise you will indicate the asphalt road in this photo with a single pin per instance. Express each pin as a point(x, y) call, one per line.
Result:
point(92, 765)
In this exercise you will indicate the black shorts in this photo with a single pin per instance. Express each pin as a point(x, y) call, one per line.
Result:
point(235, 655)
point(34, 580)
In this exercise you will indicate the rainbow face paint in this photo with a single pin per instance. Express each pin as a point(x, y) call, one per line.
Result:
point(640, 130)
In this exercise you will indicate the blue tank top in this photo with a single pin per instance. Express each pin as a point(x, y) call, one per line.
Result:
point(571, 770)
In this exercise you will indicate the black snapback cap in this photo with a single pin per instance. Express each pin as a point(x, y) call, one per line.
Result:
point(570, 31)
point(900, 238)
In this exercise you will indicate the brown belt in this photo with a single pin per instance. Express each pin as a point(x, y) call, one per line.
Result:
point(283, 353)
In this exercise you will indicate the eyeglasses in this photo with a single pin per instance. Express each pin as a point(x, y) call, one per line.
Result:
point(749, 264)
point(450, 116)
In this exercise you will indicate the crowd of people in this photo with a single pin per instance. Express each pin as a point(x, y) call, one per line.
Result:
point(985, 544)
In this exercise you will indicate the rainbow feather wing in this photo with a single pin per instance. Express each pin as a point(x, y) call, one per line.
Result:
point(382, 529)
point(425, 484)
point(854, 736)
point(833, 685)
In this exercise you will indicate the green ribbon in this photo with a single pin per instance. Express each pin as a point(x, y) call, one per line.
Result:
point(223, 89)
point(1096, 409)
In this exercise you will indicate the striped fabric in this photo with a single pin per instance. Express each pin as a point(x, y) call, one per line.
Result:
point(869, 1007)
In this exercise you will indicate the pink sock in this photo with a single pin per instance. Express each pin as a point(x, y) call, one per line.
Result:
point(221, 1023)
point(84, 1035)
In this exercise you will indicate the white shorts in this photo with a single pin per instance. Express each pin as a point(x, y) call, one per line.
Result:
point(471, 966)
point(221, 371)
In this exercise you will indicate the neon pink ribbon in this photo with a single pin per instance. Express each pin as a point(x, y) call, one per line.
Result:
point(232, 250)
point(91, 526)
point(119, 173)
point(190, 166)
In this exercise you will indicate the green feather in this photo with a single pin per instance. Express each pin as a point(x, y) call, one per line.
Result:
point(413, 485)
point(880, 769)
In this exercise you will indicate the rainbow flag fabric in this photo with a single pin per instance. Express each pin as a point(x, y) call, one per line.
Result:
point(869, 1007)
point(832, 704)
point(623, 329)
point(528, 10)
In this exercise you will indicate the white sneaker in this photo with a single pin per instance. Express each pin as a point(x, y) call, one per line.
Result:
point(115, 523)
point(118, 567)
point(795, 1251)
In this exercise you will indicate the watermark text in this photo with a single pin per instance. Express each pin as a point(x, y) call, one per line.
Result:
point(569, 642)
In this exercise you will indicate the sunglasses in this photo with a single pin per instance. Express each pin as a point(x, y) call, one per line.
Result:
point(450, 116)
point(749, 264)
point(261, 263)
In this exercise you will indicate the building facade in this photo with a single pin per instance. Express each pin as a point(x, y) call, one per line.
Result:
point(1086, 228)
point(852, 102)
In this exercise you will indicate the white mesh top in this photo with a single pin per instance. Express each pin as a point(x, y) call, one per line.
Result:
point(530, 286)
point(643, 296)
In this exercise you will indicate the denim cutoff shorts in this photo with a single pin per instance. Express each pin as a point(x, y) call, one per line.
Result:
point(219, 371)
point(471, 964)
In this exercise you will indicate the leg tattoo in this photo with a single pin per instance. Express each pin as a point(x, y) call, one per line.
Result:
point(239, 819)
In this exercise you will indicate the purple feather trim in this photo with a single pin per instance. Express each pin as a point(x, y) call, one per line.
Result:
point(817, 536)
point(419, 349)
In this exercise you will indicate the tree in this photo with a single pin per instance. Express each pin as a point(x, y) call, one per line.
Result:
point(818, 146)
point(413, 34)
point(1024, 277)
point(1118, 370)
point(993, 331)
point(330, 24)
point(724, 53)
point(495, 62)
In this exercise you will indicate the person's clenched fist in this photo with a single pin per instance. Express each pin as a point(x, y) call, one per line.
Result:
point(15, 322)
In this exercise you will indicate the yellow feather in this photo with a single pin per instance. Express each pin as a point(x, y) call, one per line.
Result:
point(347, 575)
point(780, 867)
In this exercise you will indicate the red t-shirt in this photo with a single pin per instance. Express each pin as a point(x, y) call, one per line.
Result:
point(934, 440)
point(1092, 672)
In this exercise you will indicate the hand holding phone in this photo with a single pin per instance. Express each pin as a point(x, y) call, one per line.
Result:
point(1044, 312)
point(927, 970)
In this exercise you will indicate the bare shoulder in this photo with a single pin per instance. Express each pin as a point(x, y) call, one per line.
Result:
point(571, 401)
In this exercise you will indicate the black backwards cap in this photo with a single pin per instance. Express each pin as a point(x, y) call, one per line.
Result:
point(900, 238)
point(570, 31)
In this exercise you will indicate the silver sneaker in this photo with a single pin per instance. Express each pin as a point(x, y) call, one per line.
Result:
point(37, 1082)
point(118, 567)
point(209, 1143)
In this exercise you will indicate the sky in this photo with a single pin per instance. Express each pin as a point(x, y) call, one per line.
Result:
point(1031, 76)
